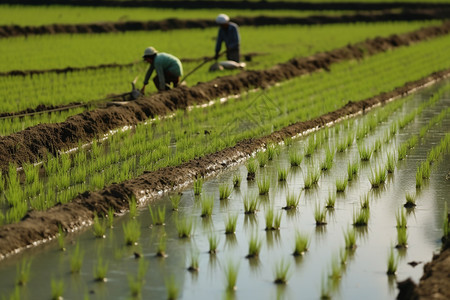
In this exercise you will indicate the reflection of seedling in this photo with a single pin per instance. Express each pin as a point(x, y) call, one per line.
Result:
point(295, 158)
point(184, 227)
point(132, 232)
point(281, 272)
point(224, 191)
point(350, 239)
point(361, 218)
point(213, 240)
point(331, 200)
point(264, 185)
point(292, 201)
point(400, 216)
point(23, 272)
point(237, 178)
point(320, 215)
point(341, 184)
point(254, 246)
point(99, 227)
point(76, 260)
point(100, 270)
point(231, 274)
point(262, 159)
point(325, 290)
point(251, 203)
point(172, 289)
point(57, 289)
point(207, 205)
point(301, 244)
point(402, 238)
point(230, 224)
point(410, 200)
point(282, 173)
point(175, 200)
point(392, 263)
point(198, 184)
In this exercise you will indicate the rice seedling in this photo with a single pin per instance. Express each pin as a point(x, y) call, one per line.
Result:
point(328, 162)
point(377, 145)
point(320, 215)
point(365, 152)
point(392, 263)
point(410, 200)
point(224, 191)
point(172, 288)
point(311, 147)
point(295, 158)
point(331, 200)
point(361, 218)
point(311, 178)
point(252, 166)
point(273, 220)
point(198, 184)
point(301, 244)
point(341, 184)
point(425, 169)
point(158, 215)
point(175, 201)
point(350, 239)
point(61, 235)
point(352, 170)
point(419, 178)
point(292, 201)
point(230, 223)
point(213, 240)
point(264, 185)
point(445, 224)
point(390, 163)
point(132, 232)
point(282, 173)
point(132, 204)
point(262, 159)
point(76, 260)
point(57, 289)
point(378, 177)
point(100, 270)
point(402, 238)
point(23, 272)
point(364, 201)
point(207, 205)
point(254, 246)
point(393, 128)
point(325, 289)
point(401, 152)
point(184, 227)
point(161, 249)
point(193, 267)
point(288, 141)
point(231, 274)
point(400, 217)
point(282, 272)
point(343, 255)
point(99, 227)
point(237, 178)
point(272, 150)
point(110, 220)
point(135, 286)
point(336, 270)
point(251, 203)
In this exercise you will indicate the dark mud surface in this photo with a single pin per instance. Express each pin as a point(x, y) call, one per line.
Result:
point(196, 4)
point(169, 24)
point(35, 142)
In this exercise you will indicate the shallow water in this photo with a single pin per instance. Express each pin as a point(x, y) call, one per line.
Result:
point(364, 275)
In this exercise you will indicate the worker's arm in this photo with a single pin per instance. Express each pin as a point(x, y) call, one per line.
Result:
point(147, 77)
point(219, 42)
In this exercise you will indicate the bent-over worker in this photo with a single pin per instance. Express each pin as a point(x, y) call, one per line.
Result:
point(168, 69)
point(228, 33)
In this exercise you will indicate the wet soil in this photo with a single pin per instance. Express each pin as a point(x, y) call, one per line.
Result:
point(33, 143)
point(270, 5)
point(170, 24)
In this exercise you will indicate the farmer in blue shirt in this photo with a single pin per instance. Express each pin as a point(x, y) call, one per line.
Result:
point(168, 69)
point(228, 33)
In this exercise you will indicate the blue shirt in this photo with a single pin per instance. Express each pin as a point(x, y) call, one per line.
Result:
point(230, 36)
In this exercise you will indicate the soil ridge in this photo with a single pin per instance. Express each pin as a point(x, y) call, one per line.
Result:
point(7, 31)
point(33, 143)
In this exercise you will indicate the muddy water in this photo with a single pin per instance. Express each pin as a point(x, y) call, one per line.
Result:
point(364, 274)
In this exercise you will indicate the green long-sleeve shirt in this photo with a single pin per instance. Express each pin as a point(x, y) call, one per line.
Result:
point(162, 63)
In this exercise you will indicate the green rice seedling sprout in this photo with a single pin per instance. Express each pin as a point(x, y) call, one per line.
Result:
point(364, 201)
point(392, 263)
point(231, 274)
point(184, 227)
point(57, 289)
point(400, 217)
point(410, 200)
point(393, 128)
point(341, 184)
point(365, 152)
point(132, 232)
point(161, 249)
point(301, 244)
point(100, 270)
point(175, 200)
point(272, 150)
point(295, 158)
point(320, 215)
point(264, 185)
point(99, 227)
point(135, 286)
point(287, 141)
point(328, 162)
point(110, 217)
point(230, 223)
point(282, 173)
point(390, 164)
point(254, 246)
point(198, 184)
point(252, 166)
point(61, 236)
point(273, 220)
point(224, 191)
point(352, 170)
point(292, 201)
point(282, 272)
point(401, 152)
point(331, 200)
point(343, 255)
point(350, 239)
point(311, 147)
point(194, 267)
point(172, 288)
point(207, 205)
point(361, 218)
point(419, 178)
point(377, 145)
point(378, 177)
point(325, 289)
point(158, 215)
point(277, 221)
point(445, 224)
point(76, 259)
point(336, 271)
point(251, 203)
point(133, 206)
point(23, 272)
point(213, 240)
point(426, 169)
point(237, 178)
point(402, 238)
point(262, 159)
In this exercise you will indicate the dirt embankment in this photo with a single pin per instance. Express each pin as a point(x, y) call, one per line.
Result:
point(235, 4)
point(169, 24)
point(33, 143)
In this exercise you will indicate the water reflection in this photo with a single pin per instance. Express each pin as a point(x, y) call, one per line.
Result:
point(272, 238)
point(254, 264)
point(250, 222)
point(230, 241)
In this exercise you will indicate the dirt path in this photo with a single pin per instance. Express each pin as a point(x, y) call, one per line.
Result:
point(169, 24)
point(33, 143)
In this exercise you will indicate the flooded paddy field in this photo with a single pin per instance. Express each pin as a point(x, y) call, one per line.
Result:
point(328, 267)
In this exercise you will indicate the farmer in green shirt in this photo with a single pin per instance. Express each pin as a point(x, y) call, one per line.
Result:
point(168, 69)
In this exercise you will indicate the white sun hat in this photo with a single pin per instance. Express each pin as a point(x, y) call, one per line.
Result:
point(149, 51)
point(222, 19)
